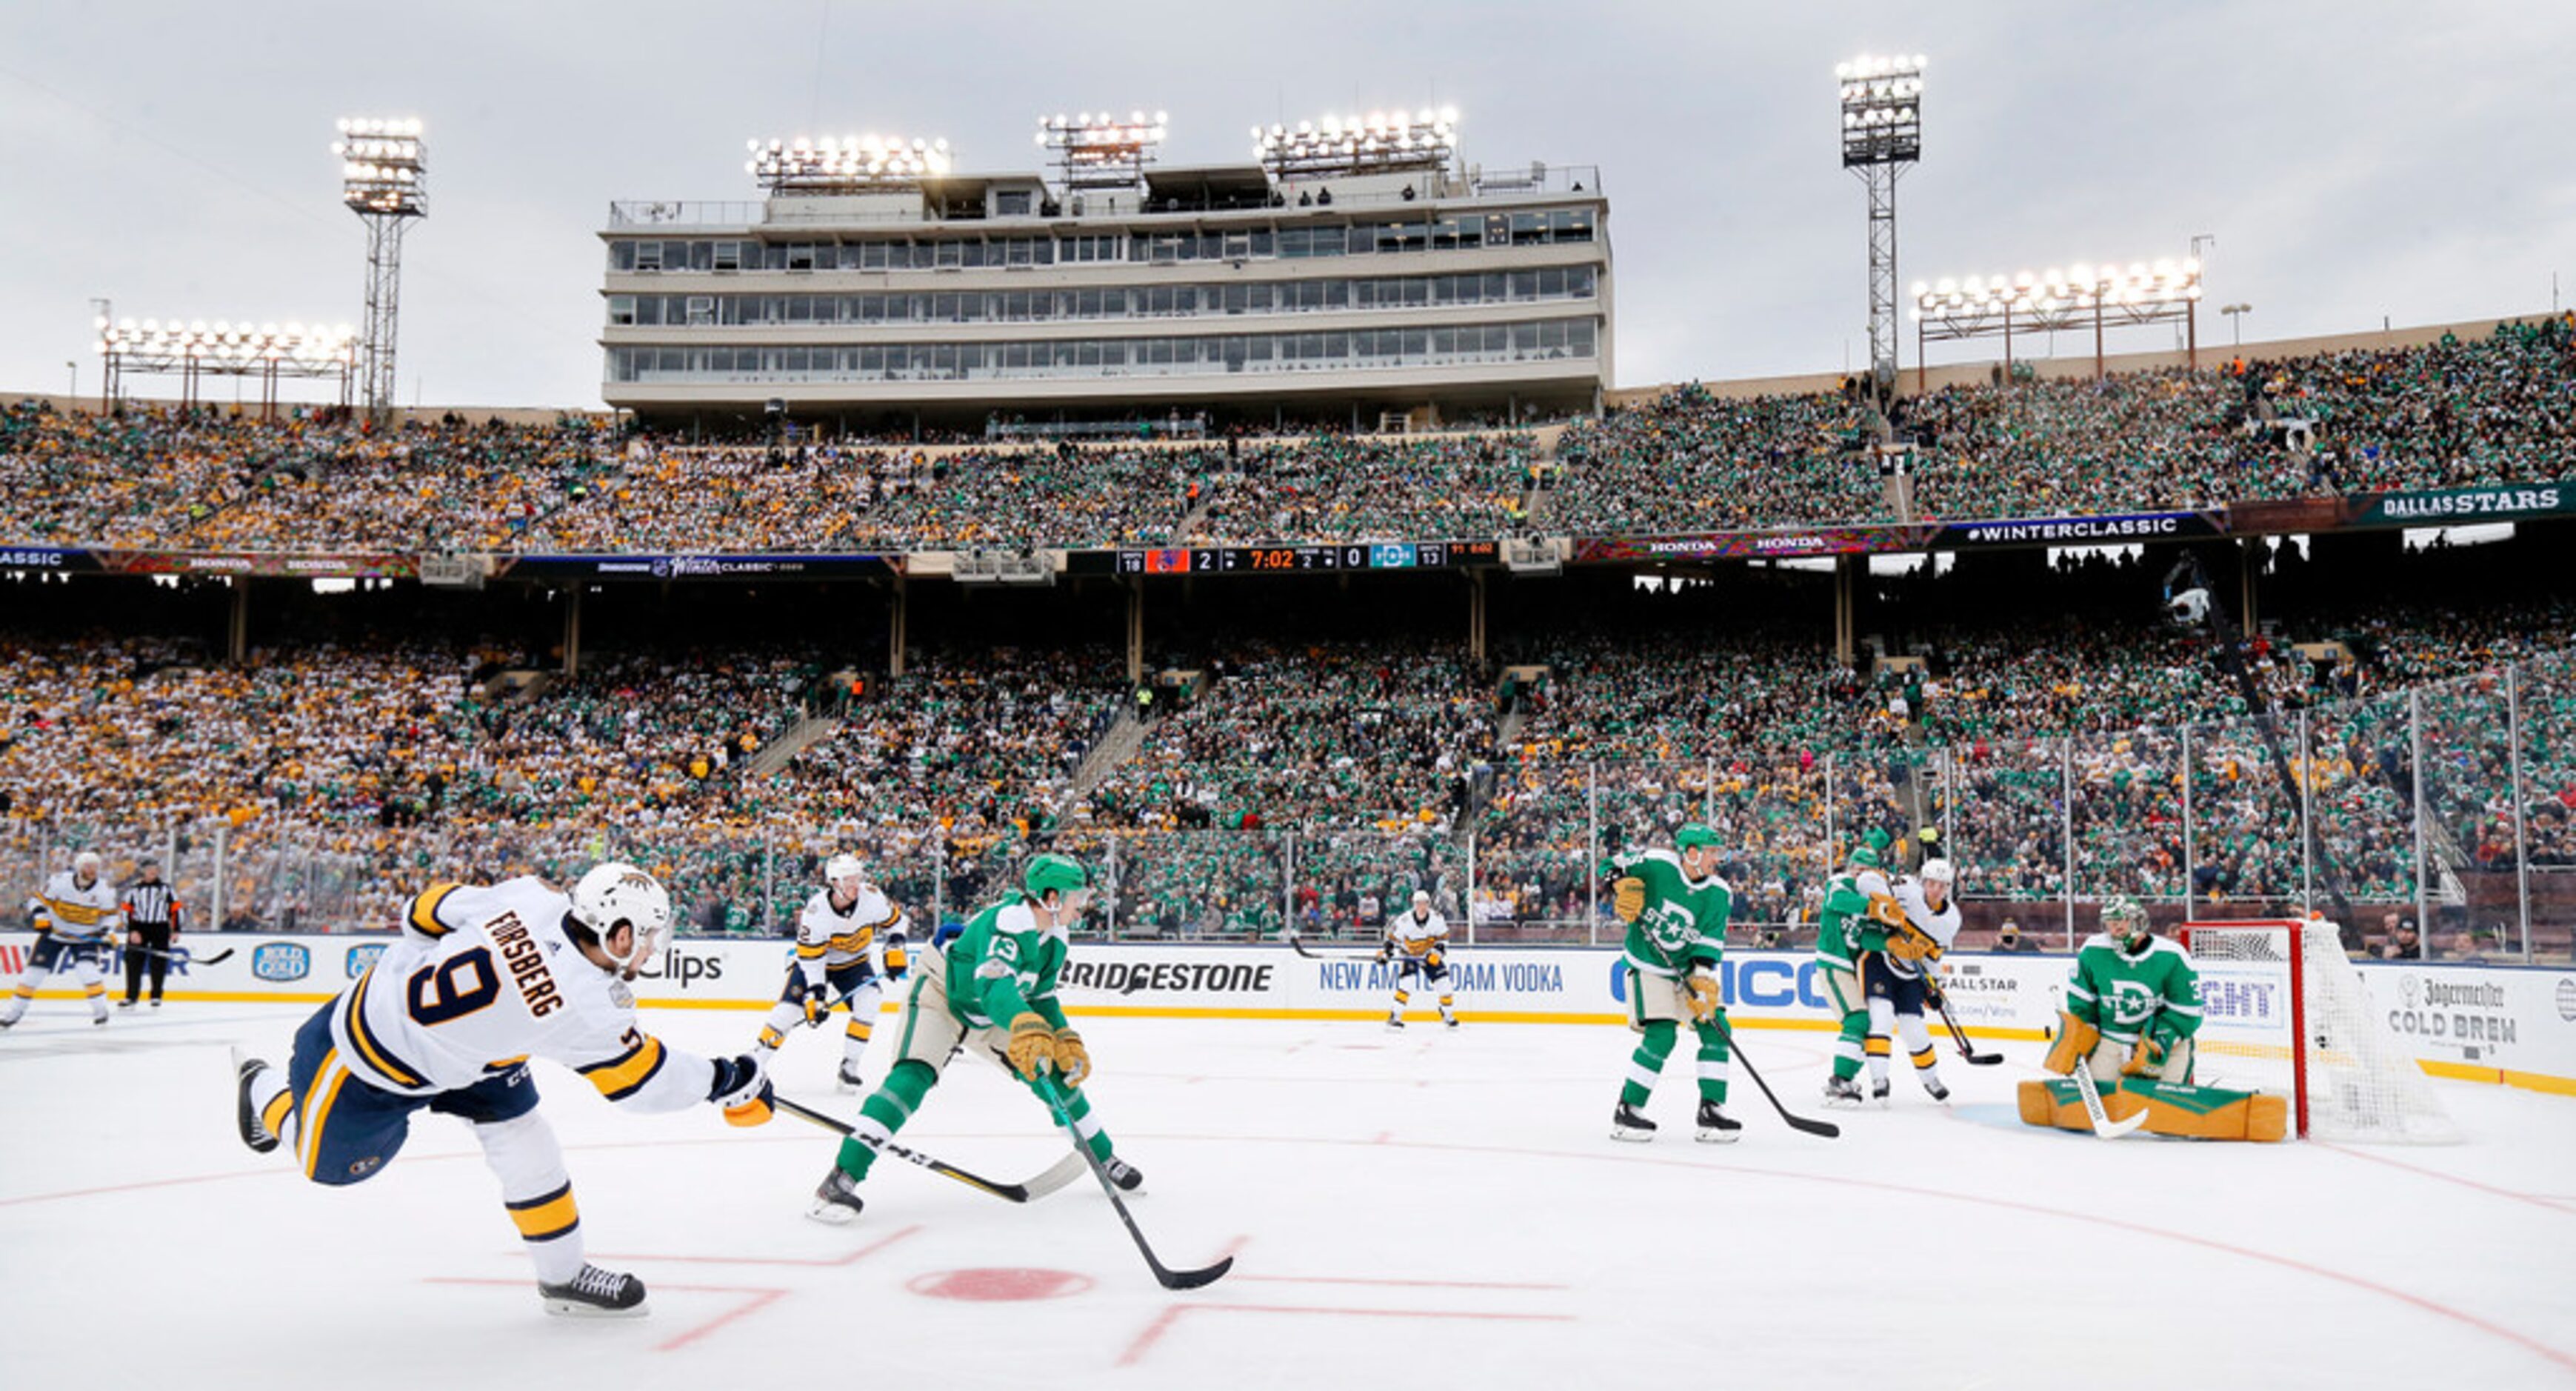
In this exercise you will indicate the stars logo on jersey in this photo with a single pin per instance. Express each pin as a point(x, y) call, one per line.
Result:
point(2130, 1003)
point(1670, 927)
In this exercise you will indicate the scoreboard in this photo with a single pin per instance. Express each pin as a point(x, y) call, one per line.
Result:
point(1283, 560)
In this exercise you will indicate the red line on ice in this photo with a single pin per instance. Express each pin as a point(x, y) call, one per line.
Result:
point(851, 1258)
point(1154, 1331)
point(761, 1298)
point(2536, 1199)
point(2560, 1357)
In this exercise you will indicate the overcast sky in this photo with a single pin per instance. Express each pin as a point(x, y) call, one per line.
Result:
point(2354, 160)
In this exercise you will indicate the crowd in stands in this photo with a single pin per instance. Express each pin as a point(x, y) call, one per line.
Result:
point(1310, 784)
point(2492, 410)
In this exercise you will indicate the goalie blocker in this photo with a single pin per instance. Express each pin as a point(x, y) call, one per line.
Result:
point(2172, 1107)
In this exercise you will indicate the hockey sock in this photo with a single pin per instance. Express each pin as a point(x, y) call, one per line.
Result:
point(1847, 1044)
point(770, 1037)
point(1918, 1046)
point(537, 1191)
point(1647, 1063)
point(1712, 1065)
point(884, 1113)
point(1876, 1048)
point(19, 997)
point(1077, 1108)
point(854, 1040)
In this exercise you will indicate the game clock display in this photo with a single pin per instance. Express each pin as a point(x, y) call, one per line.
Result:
point(1280, 560)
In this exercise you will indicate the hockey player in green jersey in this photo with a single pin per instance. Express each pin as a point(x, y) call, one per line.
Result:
point(2132, 1007)
point(992, 993)
point(1675, 906)
point(1856, 901)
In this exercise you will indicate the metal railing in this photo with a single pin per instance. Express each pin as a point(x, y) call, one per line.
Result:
point(2450, 805)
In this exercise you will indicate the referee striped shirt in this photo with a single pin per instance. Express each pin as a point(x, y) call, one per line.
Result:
point(150, 905)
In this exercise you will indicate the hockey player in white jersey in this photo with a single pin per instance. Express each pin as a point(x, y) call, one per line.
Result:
point(1417, 941)
point(1898, 978)
point(483, 979)
point(76, 917)
point(844, 925)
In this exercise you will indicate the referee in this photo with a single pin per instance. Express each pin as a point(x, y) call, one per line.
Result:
point(151, 923)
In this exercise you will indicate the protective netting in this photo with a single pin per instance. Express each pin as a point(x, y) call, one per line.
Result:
point(2350, 1074)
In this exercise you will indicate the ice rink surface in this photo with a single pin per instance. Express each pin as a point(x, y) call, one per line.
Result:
point(1428, 1208)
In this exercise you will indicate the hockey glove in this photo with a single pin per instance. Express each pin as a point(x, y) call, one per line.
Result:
point(742, 1091)
point(896, 962)
point(1072, 1060)
point(1628, 898)
point(1386, 953)
point(1911, 943)
point(1032, 1045)
point(1931, 991)
point(2145, 1059)
point(1703, 996)
point(1887, 911)
point(815, 1008)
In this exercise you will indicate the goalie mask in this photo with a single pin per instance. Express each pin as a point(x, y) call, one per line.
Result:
point(2124, 920)
point(613, 893)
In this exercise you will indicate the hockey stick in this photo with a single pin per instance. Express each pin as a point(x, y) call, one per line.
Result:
point(1169, 1278)
point(1959, 1036)
point(1298, 945)
point(1827, 1129)
point(2103, 1125)
point(181, 956)
point(1057, 1176)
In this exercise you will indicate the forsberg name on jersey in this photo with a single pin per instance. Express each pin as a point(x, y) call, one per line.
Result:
point(527, 963)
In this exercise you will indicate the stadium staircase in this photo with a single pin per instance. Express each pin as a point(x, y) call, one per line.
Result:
point(1115, 746)
point(810, 729)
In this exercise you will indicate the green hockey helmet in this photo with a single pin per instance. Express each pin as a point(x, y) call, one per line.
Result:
point(1051, 874)
point(1865, 857)
point(1693, 835)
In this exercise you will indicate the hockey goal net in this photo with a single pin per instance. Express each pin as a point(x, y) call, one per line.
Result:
point(2284, 1010)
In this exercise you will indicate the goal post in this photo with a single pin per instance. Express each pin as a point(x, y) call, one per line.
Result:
point(2284, 1009)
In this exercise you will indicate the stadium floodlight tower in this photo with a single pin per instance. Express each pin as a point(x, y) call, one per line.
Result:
point(2099, 297)
point(1379, 143)
point(1882, 137)
point(1098, 150)
point(194, 349)
point(830, 165)
point(384, 179)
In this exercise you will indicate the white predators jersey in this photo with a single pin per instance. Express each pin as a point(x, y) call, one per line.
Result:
point(826, 941)
point(74, 913)
point(1941, 926)
point(485, 978)
point(1418, 937)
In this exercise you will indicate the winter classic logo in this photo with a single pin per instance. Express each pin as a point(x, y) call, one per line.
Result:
point(281, 961)
point(363, 958)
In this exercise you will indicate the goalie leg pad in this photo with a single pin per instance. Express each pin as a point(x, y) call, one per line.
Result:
point(2205, 1113)
point(2056, 1101)
point(2075, 1040)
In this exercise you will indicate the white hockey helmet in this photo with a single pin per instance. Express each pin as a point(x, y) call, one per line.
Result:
point(86, 866)
point(1421, 898)
point(614, 893)
point(843, 866)
point(1939, 869)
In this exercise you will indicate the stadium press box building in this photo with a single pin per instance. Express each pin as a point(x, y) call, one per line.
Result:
point(1354, 271)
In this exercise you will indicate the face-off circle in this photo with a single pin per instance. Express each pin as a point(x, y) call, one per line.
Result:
point(999, 1284)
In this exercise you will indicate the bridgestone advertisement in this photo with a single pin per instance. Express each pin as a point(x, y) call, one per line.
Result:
point(2481, 1023)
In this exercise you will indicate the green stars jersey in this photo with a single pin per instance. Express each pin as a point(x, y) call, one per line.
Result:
point(2155, 990)
point(1684, 922)
point(1845, 918)
point(1004, 965)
